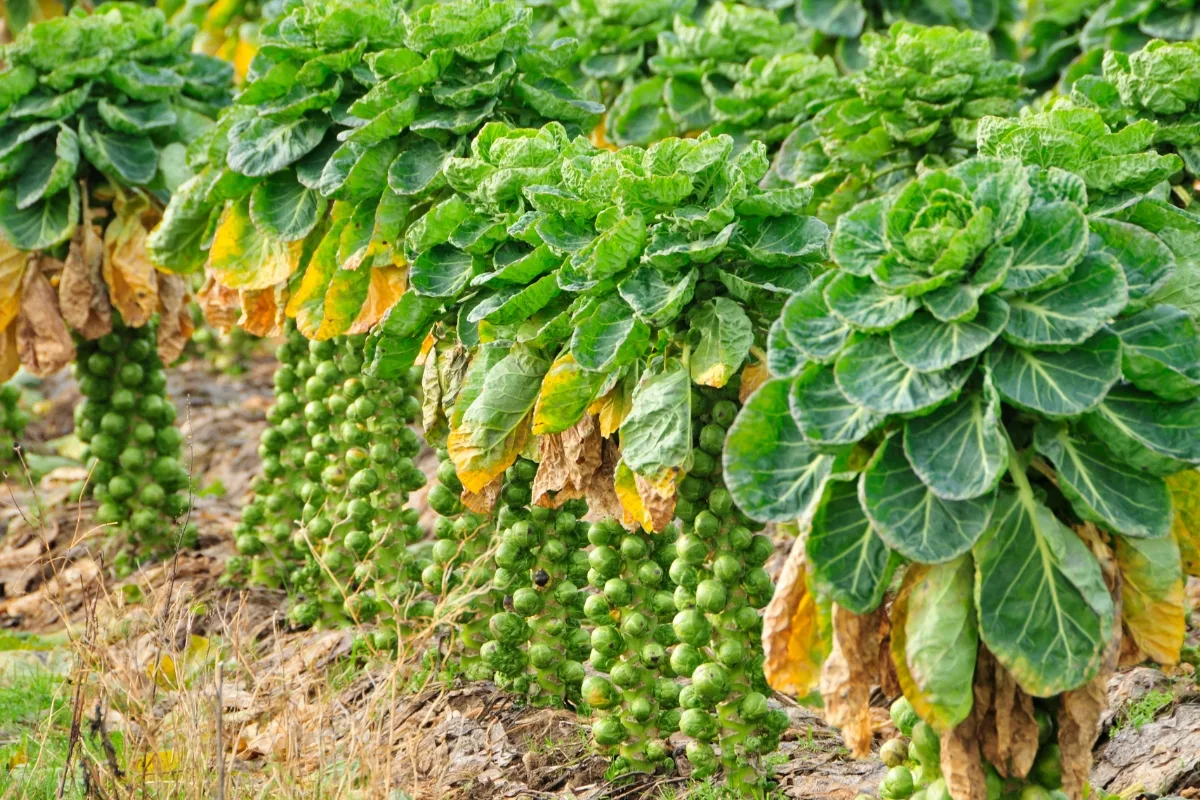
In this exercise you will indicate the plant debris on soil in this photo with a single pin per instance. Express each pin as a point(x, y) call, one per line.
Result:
point(166, 683)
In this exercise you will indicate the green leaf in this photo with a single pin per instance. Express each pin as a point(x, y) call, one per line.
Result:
point(567, 391)
point(833, 17)
point(1145, 432)
point(675, 249)
point(858, 241)
point(927, 345)
point(144, 82)
point(935, 640)
point(849, 561)
point(1057, 384)
point(516, 304)
point(442, 271)
point(260, 146)
point(611, 251)
point(516, 264)
point(687, 104)
point(133, 159)
point(43, 225)
point(959, 450)
point(394, 343)
point(823, 413)
point(555, 100)
point(459, 121)
point(175, 244)
point(1044, 610)
point(1071, 312)
point(773, 474)
point(56, 107)
point(1051, 241)
point(722, 336)
point(866, 306)
point(784, 359)
point(1114, 495)
point(869, 373)
point(910, 518)
point(418, 168)
point(810, 325)
point(653, 299)
point(49, 171)
point(608, 335)
point(1146, 261)
point(656, 436)
point(1160, 352)
point(356, 171)
point(137, 118)
point(781, 241)
point(283, 208)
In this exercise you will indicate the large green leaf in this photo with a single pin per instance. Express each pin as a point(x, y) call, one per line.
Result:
point(49, 170)
point(960, 301)
point(442, 271)
point(554, 99)
point(773, 474)
point(260, 146)
point(656, 436)
point(927, 344)
point(459, 121)
point(142, 81)
point(833, 17)
point(517, 303)
point(608, 335)
point(849, 560)
point(784, 359)
point(132, 158)
point(175, 243)
point(935, 640)
point(137, 118)
point(418, 168)
point(866, 306)
point(654, 299)
point(356, 171)
point(810, 325)
point(283, 208)
point(1147, 263)
point(1071, 312)
point(781, 241)
point(1051, 241)
point(1160, 352)
point(722, 336)
point(1044, 610)
point(869, 374)
point(910, 518)
point(46, 223)
point(858, 240)
point(1114, 495)
point(959, 450)
point(394, 343)
point(1142, 430)
point(823, 413)
point(1057, 384)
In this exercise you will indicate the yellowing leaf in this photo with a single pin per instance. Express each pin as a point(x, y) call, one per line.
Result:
point(1152, 597)
point(220, 304)
point(753, 376)
point(633, 511)
point(262, 311)
point(242, 257)
point(175, 326)
point(12, 269)
point(159, 763)
point(797, 631)
point(426, 348)
point(387, 285)
point(307, 303)
point(10, 361)
point(128, 272)
point(162, 671)
point(599, 138)
point(1185, 495)
point(614, 406)
point(567, 391)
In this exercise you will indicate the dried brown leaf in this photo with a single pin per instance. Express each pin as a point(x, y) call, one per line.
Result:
point(43, 341)
point(483, 502)
point(262, 311)
point(128, 272)
point(1008, 731)
point(175, 326)
point(568, 461)
point(848, 674)
point(796, 634)
point(221, 305)
point(82, 295)
point(960, 761)
point(658, 498)
point(601, 494)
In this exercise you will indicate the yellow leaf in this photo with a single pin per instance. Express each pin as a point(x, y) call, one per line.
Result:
point(753, 376)
point(12, 269)
point(262, 311)
point(599, 138)
point(426, 348)
point(242, 257)
point(634, 511)
point(1152, 595)
point(10, 360)
point(130, 275)
point(162, 671)
point(17, 758)
point(567, 390)
point(158, 763)
point(797, 630)
point(613, 407)
point(387, 285)
point(243, 54)
point(1185, 494)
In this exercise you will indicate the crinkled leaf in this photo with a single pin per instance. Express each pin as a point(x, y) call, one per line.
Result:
point(260, 146)
point(608, 335)
point(959, 450)
point(653, 299)
point(656, 436)
point(823, 414)
point(1160, 352)
point(1145, 432)
point(1071, 312)
point(283, 208)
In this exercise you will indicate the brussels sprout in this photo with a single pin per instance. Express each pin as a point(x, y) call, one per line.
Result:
point(893, 752)
point(1047, 767)
point(608, 731)
point(903, 716)
point(711, 682)
point(699, 724)
point(898, 785)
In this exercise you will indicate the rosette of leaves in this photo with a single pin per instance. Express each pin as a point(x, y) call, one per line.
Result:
point(357, 103)
point(848, 21)
point(991, 386)
point(919, 97)
point(1161, 83)
point(635, 697)
point(737, 70)
point(581, 278)
point(105, 101)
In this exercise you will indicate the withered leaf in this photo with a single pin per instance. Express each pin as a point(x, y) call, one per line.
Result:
point(262, 311)
point(221, 305)
point(10, 360)
point(960, 762)
point(753, 376)
point(601, 493)
point(12, 270)
point(387, 284)
point(82, 295)
point(43, 341)
point(1008, 731)
point(175, 326)
point(483, 502)
point(130, 275)
point(848, 674)
point(797, 630)
point(568, 461)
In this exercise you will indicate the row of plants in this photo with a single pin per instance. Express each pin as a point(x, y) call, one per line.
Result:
point(955, 342)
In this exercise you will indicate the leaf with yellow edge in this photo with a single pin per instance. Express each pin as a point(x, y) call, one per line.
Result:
point(242, 257)
point(307, 303)
point(567, 391)
point(12, 269)
point(344, 299)
point(127, 270)
point(1185, 495)
point(935, 640)
point(613, 407)
point(633, 511)
point(599, 137)
point(495, 427)
point(10, 359)
point(797, 631)
point(1152, 598)
point(386, 287)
